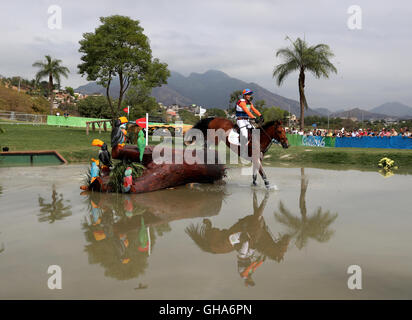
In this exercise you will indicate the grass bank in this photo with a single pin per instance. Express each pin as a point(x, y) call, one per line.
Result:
point(72, 143)
point(75, 146)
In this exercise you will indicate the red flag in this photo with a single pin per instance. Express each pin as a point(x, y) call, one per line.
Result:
point(126, 109)
point(141, 122)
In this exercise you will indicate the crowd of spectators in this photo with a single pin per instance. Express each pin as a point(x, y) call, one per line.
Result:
point(385, 132)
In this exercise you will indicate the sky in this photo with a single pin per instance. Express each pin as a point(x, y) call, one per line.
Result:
point(237, 37)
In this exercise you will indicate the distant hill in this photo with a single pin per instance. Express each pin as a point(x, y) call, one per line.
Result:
point(360, 114)
point(323, 111)
point(395, 109)
point(12, 100)
point(211, 89)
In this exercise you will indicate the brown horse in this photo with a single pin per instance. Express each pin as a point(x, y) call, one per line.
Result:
point(269, 132)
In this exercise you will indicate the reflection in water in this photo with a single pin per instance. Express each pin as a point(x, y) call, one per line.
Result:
point(55, 210)
point(2, 247)
point(250, 237)
point(303, 228)
point(121, 229)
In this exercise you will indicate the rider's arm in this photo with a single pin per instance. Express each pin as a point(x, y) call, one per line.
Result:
point(255, 110)
point(242, 104)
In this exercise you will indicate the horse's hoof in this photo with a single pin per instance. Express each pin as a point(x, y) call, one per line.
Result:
point(274, 187)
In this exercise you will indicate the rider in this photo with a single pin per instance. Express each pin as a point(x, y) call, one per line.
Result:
point(243, 113)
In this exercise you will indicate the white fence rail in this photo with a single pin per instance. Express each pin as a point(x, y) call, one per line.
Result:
point(23, 117)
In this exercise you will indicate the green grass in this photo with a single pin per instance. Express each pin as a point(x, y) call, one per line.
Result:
point(72, 143)
point(75, 146)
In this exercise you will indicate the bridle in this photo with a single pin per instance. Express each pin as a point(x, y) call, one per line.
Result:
point(272, 140)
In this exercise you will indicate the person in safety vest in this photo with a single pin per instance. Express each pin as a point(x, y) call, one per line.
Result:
point(244, 109)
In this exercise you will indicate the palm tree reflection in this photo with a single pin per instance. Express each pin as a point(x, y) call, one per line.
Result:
point(55, 210)
point(304, 228)
point(2, 248)
point(250, 237)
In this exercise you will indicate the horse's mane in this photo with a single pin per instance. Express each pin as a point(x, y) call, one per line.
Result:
point(203, 124)
point(197, 233)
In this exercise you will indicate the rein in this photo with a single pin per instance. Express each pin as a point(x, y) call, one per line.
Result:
point(272, 140)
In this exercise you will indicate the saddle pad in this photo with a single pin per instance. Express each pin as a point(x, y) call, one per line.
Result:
point(233, 137)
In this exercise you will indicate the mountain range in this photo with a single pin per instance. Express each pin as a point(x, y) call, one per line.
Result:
point(211, 89)
point(390, 110)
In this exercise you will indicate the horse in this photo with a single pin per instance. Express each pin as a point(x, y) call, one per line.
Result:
point(270, 132)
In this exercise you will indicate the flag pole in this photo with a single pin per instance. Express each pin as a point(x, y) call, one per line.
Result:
point(147, 129)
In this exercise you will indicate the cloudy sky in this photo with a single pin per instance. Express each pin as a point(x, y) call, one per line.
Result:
point(235, 36)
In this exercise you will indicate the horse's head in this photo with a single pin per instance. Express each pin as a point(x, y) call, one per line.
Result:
point(278, 133)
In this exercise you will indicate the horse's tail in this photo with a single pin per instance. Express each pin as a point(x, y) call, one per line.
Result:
point(201, 125)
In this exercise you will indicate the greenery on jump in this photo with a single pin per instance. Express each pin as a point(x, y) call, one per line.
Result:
point(117, 174)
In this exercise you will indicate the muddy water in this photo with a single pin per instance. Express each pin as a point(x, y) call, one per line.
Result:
point(207, 242)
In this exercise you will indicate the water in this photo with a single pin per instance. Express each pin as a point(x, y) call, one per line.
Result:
point(176, 243)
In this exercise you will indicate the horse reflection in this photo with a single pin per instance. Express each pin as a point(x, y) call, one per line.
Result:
point(250, 237)
point(302, 229)
point(121, 230)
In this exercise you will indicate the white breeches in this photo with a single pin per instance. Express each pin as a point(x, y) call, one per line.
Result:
point(244, 125)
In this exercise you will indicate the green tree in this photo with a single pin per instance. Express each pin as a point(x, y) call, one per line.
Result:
point(215, 112)
point(70, 91)
point(94, 107)
point(233, 99)
point(52, 69)
point(188, 117)
point(139, 100)
point(274, 113)
point(302, 58)
point(260, 104)
point(118, 48)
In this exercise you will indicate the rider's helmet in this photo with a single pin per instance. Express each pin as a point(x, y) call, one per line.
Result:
point(247, 91)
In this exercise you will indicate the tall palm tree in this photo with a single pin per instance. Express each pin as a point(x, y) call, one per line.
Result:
point(52, 69)
point(303, 228)
point(302, 57)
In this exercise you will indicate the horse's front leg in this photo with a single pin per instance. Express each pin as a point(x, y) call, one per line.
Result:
point(255, 167)
point(265, 179)
point(255, 170)
point(263, 175)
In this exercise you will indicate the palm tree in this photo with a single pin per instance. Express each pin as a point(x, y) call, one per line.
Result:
point(52, 69)
point(304, 228)
point(302, 58)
